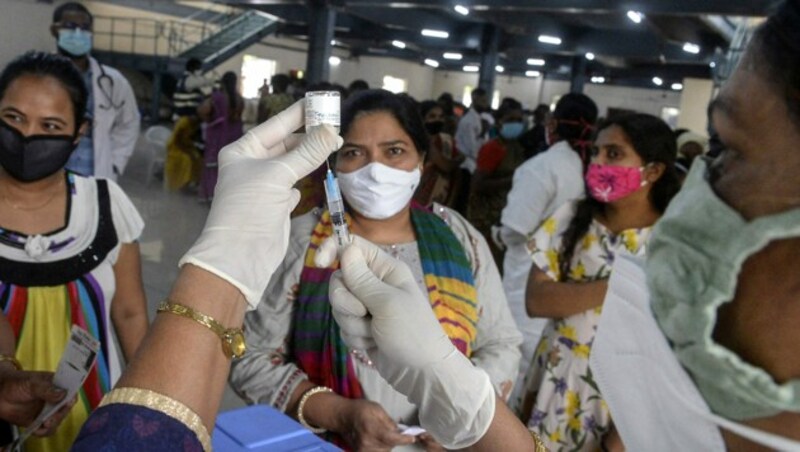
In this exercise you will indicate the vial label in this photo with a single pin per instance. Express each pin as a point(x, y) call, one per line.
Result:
point(322, 108)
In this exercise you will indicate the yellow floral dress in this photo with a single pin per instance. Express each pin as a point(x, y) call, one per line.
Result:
point(561, 401)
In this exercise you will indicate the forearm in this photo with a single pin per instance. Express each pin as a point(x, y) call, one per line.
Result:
point(562, 299)
point(131, 327)
point(506, 432)
point(177, 350)
point(323, 410)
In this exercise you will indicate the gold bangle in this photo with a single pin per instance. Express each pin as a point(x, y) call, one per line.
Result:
point(302, 404)
point(10, 359)
point(233, 342)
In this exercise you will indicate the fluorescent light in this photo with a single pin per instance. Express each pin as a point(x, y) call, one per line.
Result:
point(435, 33)
point(589, 56)
point(532, 73)
point(635, 16)
point(657, 81)
point(471, 68)
point(536, 61)
point(431, 63)
point(399, 44)
point(499, 68)
point(334, 60)
point(677, 86)
point(452, 56)
point(461, 9)
point(712, 64)
point(691, 48)
point(550, 39)
point(333, 42)
point(598, 79)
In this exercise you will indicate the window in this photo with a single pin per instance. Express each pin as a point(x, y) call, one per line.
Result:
point(255, 71)
point(466, 98)
point(394, 84)
point(496, 100)
point(670, 115)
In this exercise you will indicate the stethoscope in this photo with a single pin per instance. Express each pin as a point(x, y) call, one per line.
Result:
point(107, 93)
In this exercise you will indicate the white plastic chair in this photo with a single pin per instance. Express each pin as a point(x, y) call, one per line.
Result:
point(156, 138)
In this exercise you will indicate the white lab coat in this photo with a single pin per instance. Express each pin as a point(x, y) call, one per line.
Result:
point(653, 401)
point(114, 130)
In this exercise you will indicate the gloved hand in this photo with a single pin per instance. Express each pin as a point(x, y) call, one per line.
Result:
point(247, 231)
point(380, 309)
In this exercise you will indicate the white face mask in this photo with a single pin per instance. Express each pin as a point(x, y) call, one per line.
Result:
point(377, 191)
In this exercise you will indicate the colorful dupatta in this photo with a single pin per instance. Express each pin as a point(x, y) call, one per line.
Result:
point(316, 343)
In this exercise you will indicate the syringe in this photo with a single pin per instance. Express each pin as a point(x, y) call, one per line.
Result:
point(336, 209)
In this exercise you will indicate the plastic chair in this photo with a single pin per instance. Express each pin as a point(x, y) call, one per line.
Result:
point(156, 138)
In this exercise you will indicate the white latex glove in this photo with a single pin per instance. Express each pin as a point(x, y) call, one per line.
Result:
point(380, 309)
point(247, 230)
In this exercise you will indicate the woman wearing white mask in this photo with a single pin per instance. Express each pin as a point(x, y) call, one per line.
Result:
point(297, 360)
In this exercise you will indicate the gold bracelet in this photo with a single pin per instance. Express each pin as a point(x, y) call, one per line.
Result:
point(10, 359)
point(233, 342)
point(302, 404)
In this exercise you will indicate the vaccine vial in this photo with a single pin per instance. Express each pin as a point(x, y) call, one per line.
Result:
point(323, 107)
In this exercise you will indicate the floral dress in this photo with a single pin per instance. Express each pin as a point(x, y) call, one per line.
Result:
point(560, 400)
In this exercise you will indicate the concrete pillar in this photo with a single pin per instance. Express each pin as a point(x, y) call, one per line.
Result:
point(322, 19)
point(155, 105)
point(578, 74)
point(490, 44)
point(695, 97)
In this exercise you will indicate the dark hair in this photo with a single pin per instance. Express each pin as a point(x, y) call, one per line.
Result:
point(508, 105)
point(357, 85)
point(58, 13)
point(193, 64)
point(231, 90)
point(402, 108)
point(280, 82)
point(653, 141)
point(776, 50)
point(446, 101)
point(42, 64)
point(540, 113)
point(426, 106)
point(478, 92)
point(576, 114)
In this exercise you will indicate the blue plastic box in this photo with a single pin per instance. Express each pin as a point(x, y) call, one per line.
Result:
point(260, 428)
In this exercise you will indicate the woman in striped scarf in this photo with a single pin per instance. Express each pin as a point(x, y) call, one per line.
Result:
point(296, 359)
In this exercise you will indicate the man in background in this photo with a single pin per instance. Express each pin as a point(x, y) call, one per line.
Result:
point(111, 109)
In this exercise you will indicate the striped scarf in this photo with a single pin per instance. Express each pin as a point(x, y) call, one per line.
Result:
point(316, 343)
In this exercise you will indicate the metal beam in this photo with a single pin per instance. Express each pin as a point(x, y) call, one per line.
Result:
point(320, 31)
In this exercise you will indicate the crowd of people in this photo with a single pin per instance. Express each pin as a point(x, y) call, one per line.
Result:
point(517, 280)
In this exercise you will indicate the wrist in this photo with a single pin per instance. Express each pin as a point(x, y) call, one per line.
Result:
point(329, 411)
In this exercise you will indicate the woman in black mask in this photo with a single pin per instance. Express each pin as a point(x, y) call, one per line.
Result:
point(67, 243)
point(440, 181)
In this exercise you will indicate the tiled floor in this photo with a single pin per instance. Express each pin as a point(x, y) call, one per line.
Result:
point(172, 223)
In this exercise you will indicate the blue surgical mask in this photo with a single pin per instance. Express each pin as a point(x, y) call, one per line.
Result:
point(512, 130)
point(75, 42)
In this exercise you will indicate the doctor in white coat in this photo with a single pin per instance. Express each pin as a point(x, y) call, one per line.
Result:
point(114, 115)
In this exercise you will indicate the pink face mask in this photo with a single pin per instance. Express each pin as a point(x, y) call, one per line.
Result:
point(608, 183)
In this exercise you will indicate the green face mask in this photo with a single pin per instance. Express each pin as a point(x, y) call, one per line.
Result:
point(695, 254)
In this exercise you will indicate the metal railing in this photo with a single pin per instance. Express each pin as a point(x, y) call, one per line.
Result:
point(155, 37)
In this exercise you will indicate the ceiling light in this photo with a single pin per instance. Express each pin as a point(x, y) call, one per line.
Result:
point(471, 68)
point(589, 56)
point(532, 73)
point(461, 9)
point(499, 68)
point(677, 86)
point(536, 61)
point(399, 44)
point(598, 79)
point(334, 61)
point(452, 56)
point(550, 39)
point(333, 42)
point(657, 81)
point(431, 63)
point(635, 16)
point(435, 33)
point(712, 64)
point(691, 48)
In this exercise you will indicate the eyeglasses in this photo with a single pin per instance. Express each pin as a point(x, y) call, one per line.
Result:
point(75, 26)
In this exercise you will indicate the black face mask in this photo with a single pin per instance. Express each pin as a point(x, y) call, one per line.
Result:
point(28, 159)
point(434, 127)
